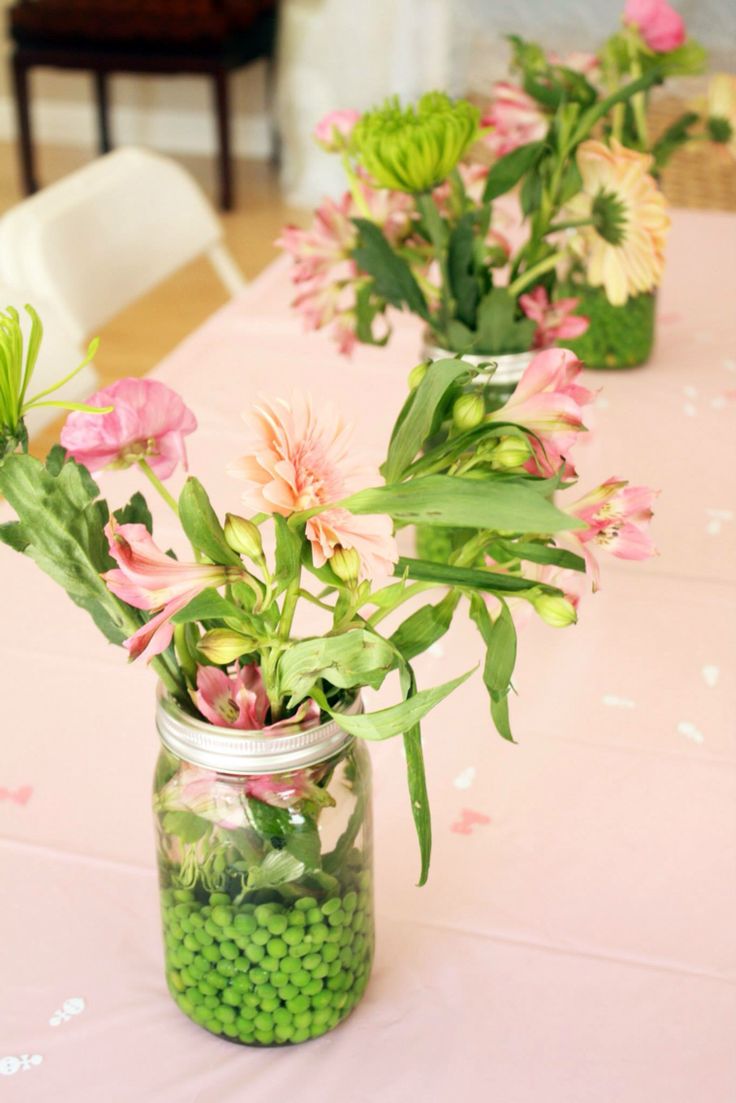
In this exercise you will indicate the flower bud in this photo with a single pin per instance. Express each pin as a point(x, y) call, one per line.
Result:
point(468, 411)
point(510, 452)
point(222, 645)
point(555, 610)
point(345, 563)
point(243, 536)
point(417, 374)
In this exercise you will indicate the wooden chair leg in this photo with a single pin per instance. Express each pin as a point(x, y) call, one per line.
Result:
point(103, 111)
point(222, 110)
point(273, 126)
point(21, 87)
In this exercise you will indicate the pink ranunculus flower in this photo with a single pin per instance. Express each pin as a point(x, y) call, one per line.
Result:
point(148, 579)
point(148, 422)
point(617, 516)
point(297, 460)
point(549, 402)
point(515, 117)
point(555, 321)
point(661, 27)
point(333, 130)
point(238, 699)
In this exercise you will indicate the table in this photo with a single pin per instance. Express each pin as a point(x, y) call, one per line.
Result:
point(575, 943)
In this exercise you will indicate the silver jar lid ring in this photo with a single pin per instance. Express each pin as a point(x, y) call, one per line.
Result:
point(231, 751)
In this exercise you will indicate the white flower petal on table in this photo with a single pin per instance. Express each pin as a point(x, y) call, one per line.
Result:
point(465, 778)
point(690, 731)
point(710, 675)
point(615, 702)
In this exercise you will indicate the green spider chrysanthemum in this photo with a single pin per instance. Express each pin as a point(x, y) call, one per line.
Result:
point(414, 149)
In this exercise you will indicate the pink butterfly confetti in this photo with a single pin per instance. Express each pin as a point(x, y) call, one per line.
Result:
point(19, 796)
point(468, 820)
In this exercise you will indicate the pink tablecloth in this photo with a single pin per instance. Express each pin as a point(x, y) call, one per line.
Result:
point(576, 941)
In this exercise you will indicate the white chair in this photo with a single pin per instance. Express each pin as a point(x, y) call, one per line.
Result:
point(100, 238)
point(58, 355)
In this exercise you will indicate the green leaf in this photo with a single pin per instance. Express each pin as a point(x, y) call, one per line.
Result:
point(61, 526)
point(367, 309)
point(673, 137)
point(417, 780)
point(201, 525)
point(424, 627)
point(269, 822)
point(508, 170)
point(400, 718)
point(136, 512)
point(277, 868)
point(543, 553)
point(187, 826)
point(354, 658)
point(392, 277)
point(419, 414)
point(288, 553)
point(461, 269)
point(209, 605)
point(502, 504)
point(469, 578)
point(687, 60)
point(499, 637)
point(499, 331)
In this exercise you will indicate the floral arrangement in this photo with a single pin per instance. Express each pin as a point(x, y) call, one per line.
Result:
point(420, 227)
point(216, 619)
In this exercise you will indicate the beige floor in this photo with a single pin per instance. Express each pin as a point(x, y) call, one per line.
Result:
point(136, 340)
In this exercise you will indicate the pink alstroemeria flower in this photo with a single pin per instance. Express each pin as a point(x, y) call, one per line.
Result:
point(334, 129)
point(296, 460)
point(148, 579)
point(148, 422)
point(515, 117)
point(238, 699)
point(549, 402)
point(555, 321)
point(661, 27)
point(617, 516)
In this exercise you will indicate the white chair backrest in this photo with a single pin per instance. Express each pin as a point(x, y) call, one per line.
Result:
point(105, 235)
point(58, 355)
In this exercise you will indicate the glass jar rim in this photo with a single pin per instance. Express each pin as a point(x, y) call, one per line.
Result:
point(508, 367)
point(232, 751)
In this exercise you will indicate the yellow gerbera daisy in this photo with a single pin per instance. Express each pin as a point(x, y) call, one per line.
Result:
point(623, 249)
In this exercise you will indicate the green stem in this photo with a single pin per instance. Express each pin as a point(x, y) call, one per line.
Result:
point(532, 274)
point(638, 102)
point(438, 236)
point(289, 607)
point(159, 486)
point(355, 189)
point(571, 224)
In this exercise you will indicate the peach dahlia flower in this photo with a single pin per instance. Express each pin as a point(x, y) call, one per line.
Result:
point(296, 459)
point(624, 250)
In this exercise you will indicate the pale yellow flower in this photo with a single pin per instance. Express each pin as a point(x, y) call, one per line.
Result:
point(721, 110)
point(623, 250)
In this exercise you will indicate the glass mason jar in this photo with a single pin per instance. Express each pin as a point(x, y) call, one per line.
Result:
point(618, 336)
point(437, 542)
point(265, 869)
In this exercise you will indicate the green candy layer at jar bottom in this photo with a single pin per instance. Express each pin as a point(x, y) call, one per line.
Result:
point(272, 973)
